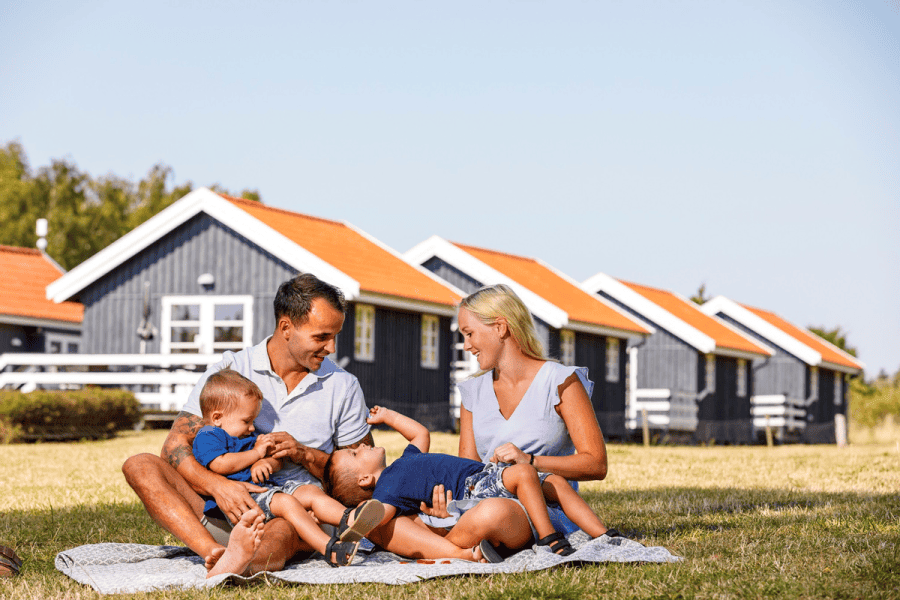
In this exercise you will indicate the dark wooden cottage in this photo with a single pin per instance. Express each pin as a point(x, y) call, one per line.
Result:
point(577, 328)
point(29, 322)
point(693, 374)
point(206, 270)
point(801, 390)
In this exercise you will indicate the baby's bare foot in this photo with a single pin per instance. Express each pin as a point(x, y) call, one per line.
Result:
point(242, 545)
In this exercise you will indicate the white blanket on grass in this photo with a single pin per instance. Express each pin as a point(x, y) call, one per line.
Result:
point(131, 568)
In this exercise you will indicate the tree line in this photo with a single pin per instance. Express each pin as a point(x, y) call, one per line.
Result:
point(84, 213)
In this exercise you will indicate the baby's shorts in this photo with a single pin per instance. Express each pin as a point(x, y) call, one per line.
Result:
point(488, 483)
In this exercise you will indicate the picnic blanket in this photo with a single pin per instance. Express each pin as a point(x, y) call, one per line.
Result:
point(131, 568)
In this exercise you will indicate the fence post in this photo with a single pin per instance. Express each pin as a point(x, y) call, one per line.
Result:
point(769, 440)
point(646, 427)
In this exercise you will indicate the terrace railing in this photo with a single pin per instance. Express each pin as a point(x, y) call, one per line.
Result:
point(161, 382)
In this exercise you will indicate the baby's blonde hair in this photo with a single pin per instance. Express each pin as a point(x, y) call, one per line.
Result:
point(495, 301)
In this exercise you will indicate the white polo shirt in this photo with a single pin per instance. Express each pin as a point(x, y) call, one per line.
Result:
point(326, 409)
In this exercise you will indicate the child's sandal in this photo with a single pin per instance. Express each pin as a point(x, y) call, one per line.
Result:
point(557, 543)
point(343, 552)
point(366, 517)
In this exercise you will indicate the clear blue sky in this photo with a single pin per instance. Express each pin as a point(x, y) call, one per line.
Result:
point(753, 146)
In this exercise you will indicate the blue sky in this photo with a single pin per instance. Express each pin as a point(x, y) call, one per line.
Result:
point(751, 146)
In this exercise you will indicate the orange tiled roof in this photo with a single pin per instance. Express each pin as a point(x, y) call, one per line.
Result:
point(579, 304)
point(691, 314)
point(827, 350)
point(24, 276)
point(376, 269)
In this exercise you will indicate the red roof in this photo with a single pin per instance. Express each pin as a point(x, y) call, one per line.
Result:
point(24, 276)
point(376, 269)
point(829, 352)
point(691, 314)
point(579, 304)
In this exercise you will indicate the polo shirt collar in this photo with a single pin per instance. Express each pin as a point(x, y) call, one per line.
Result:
point(260, 362)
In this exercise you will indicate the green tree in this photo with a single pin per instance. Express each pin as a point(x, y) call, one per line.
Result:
point(84, 215)
point(836, 336)
point(700, 297)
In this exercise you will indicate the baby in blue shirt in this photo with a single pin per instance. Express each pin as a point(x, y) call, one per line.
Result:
point(356, 474)
point(227, 445)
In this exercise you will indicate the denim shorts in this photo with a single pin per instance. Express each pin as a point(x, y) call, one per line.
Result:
point(264, 499)
point(488, 483)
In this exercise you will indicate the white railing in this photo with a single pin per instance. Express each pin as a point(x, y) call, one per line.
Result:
point(777, 411)
point(160, 381)
point(675, 412)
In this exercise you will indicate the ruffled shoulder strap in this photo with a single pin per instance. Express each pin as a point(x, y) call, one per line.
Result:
point(561, 372)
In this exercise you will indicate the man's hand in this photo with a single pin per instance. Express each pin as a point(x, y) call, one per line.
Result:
point(439, 502)
point(285, 446)
point(233, 498)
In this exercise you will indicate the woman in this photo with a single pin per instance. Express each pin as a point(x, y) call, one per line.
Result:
point(521, 407)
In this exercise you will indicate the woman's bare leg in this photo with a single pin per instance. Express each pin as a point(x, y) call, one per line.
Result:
point(500, 521)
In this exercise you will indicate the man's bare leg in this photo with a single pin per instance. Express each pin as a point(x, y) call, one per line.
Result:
point(170, 501)
point(176, 507)
point(243, 543)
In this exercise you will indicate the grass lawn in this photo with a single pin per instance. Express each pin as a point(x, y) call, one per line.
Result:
point(751, 522)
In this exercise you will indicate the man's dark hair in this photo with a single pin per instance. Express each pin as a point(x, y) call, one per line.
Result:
point(295, 297)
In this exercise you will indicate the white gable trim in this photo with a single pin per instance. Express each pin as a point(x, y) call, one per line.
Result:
point(465, 262)
point(418, 306)
point(721, 304)
point(650, 310)
point(200, 200)
point(39, 322)
point(615, 331)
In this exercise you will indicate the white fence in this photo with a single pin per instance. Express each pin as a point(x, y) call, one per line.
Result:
point(160, 382)
point(667, 411)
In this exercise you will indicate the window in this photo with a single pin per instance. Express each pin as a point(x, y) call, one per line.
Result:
point(814, 382)
point(364, 342)
point(838, 396)
point(742, 378)
point(567, 347)
point(206, 324)
point(430, 337)
point(612, 359)
point(710, 372)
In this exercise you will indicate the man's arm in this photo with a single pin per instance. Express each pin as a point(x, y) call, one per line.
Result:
point(311, 459)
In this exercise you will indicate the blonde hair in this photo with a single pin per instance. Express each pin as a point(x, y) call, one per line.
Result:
point(492, 302)
point(224, 390)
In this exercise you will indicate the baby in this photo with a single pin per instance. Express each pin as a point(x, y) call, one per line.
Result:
point(354, 475)
point(228, 445)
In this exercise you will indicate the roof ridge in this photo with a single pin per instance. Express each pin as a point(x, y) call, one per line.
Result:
point(20, 250)
point(256, 204)
point(489, 251)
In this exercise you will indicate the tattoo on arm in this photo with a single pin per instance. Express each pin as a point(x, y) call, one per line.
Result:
point(178, 445)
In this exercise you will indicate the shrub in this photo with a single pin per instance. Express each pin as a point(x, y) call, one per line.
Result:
point(91, 413)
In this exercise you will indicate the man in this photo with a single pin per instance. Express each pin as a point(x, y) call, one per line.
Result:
point(311, 405)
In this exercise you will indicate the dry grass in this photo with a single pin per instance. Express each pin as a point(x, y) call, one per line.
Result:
point(752, 522)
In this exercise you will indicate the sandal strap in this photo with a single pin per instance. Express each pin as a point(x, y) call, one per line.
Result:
point(557, 543)
point(343, 552)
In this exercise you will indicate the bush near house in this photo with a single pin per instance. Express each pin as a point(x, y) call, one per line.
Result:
point(55, 415)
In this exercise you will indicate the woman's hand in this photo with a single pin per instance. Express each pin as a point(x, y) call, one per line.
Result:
point(510, 453)
point(439, 502)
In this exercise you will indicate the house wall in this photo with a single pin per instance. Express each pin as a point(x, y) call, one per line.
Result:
point(782, 373)
point(395, 378)
point(723, 415)
point(36, 339)
point(608, 398)
point(112, 305)
point(820, 414)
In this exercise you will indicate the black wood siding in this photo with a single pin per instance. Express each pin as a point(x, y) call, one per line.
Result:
point(396, 379)
point(723, 415)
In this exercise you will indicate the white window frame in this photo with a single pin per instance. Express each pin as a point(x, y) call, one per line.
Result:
point(741, 377)
point(429, 357)
point(567, 347)
point(814, 382)
point(837, 388)
point(711, 372)
point(204, 341)
point(364, 334)
point(612, 359)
